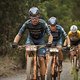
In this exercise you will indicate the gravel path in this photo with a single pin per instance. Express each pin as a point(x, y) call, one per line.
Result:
point(65, 75)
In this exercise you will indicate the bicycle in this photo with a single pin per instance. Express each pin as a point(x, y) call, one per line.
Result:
point(53, 53)
point(74, 58)
point(32, 52)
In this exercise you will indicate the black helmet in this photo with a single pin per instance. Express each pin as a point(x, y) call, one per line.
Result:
point(34, 11)
point(52, 21)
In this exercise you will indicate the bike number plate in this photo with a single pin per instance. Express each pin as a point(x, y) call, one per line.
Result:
point(31, 48)
point(54, 50)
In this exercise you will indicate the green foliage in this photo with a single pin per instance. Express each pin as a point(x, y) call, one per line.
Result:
point(76, 9)
point(14, 12)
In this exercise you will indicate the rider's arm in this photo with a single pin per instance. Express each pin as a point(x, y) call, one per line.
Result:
point(50, 38)
point(17, 38)
point(67, 40)
point(21, 31)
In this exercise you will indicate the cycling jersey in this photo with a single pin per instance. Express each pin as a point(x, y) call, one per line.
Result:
point(35, 31)
point(58, 33)
point(74, 36)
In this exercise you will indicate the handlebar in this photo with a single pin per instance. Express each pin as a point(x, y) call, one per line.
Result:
point(23, 46)
point(30, 47)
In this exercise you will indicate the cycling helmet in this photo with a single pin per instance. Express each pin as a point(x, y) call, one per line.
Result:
point(34, 11)
point(52, 21)
point(73, 28)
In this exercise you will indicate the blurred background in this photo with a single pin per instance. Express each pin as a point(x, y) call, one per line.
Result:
point(13, 13)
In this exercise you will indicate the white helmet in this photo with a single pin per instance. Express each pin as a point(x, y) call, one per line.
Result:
point(73, 28)
point(52, 21)
point(34, 11)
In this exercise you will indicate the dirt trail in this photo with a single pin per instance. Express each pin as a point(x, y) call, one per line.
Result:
point(65, 75)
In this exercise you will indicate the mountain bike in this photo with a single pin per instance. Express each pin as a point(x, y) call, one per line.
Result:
point(32, 53)
point(53, 64)
point(74, 58)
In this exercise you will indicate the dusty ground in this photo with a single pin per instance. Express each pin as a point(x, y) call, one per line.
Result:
point(8, 66)
point(9, 70)
point(65, 75)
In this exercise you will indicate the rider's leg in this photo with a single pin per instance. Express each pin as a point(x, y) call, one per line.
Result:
point(71, 56)
point(28, 42)
point(79, 54)
point(42, 67)
point(53, 65)
point(42, 61)
point(60, 56)
point(34, 65)
point(34, 69)
point(47, 60)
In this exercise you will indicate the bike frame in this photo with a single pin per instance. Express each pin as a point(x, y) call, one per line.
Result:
point(53, 53)
point(32, 50)
point(74, 60)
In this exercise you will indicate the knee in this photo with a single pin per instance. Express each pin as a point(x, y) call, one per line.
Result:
point(59, 47)
point(41, 59)
point(47, 57)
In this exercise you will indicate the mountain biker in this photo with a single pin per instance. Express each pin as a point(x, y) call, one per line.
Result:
point(58, 32)
point(36, 30)
point(74, 35)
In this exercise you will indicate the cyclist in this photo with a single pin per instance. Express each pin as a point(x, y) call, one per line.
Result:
point(74, 35)
point(58, 32)
point(36, 30)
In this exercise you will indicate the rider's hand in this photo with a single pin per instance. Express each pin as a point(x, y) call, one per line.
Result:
point(68, 47)
point(48, 44)
point(14, 45)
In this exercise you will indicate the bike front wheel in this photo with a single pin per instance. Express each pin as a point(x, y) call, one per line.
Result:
point(28, 69)
point(48, 76)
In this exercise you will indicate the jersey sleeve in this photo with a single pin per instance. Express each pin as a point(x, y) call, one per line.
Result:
point(64, 33)
point(78, 34)
point(47, 29)
point(69, 33)
point(23, 28)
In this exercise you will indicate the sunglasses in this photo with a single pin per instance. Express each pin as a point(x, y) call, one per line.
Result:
point(53, 25)
point(36, 17)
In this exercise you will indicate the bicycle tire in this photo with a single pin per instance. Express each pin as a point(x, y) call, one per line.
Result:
point(75, 72)
point(29, 61)
point(58, 72)
point(58, 75)
point(49, 77)
point(55, 75)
